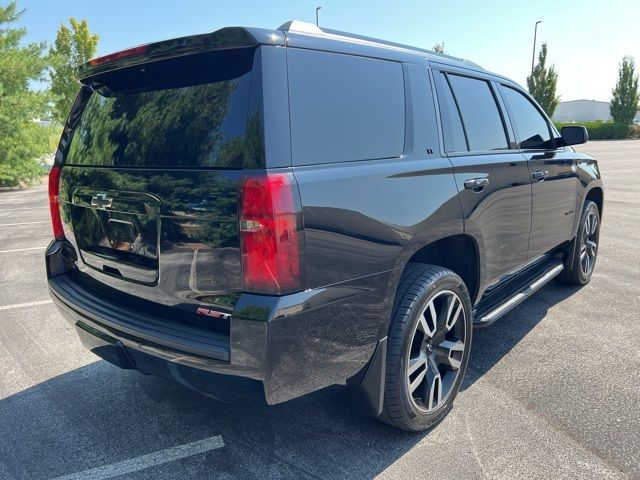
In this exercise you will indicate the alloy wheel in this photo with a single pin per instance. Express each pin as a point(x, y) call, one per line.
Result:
point(436, 351)
point(589, 244)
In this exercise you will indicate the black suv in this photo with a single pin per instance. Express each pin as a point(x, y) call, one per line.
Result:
point(259, 214)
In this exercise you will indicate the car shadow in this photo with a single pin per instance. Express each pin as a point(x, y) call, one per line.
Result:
point(97, 415)
point(492, 343)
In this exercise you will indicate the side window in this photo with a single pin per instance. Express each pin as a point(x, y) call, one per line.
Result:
point(532, 129)
point(344, 107)
point(480, 114)
point(454, 139)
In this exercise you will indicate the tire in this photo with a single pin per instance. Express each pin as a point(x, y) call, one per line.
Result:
point(585, 247)
point(427, 300)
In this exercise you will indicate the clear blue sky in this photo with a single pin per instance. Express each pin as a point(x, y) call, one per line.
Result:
point(586, 38)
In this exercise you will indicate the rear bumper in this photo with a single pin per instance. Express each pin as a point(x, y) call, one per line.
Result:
point(276, 348)
point(204, 367)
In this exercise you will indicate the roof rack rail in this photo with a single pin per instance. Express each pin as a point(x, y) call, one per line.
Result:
point(302, 27)
point(310, 28)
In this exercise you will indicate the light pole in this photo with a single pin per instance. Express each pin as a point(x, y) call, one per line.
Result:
point(533, 56)
point(317, 10)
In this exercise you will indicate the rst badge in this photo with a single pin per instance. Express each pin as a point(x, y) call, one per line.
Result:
point(207, 312)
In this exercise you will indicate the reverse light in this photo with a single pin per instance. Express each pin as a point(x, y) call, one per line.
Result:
point(271, 239)
point(54, 203)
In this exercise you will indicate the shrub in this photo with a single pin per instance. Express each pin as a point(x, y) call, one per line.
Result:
point(601, 130)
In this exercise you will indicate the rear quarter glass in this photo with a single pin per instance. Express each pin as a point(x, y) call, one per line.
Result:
point(344, 107)
point(186, 112)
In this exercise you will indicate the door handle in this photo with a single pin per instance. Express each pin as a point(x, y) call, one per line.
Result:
point(476, 184)
point(540, 175)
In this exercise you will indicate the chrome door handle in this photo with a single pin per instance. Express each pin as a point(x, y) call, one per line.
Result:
point(540, 175)
point(476, 184)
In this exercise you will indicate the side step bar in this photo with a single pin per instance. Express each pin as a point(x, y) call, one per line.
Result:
point(519, 297)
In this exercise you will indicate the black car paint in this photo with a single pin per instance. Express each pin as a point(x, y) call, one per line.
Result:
point(187, 225)
point(363, 222)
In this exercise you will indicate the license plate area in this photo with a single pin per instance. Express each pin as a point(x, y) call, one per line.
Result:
point(117, 233)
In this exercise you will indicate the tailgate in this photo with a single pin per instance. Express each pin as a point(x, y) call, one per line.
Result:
point(173, 240)
point(149, 182)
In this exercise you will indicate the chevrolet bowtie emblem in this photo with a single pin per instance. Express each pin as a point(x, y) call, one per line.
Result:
point(101, 200)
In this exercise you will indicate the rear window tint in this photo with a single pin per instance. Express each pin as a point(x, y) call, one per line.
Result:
point(480, 114)
point(454, 139)
point(344, 108)
point(184, 113)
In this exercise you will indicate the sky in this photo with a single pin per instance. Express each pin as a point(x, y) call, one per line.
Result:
point(586, 38)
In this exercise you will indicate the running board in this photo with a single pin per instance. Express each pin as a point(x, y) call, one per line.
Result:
point(519, 297)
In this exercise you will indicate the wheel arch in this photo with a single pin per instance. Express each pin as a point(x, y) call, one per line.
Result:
point(594, 191)
point(596, 195)
point(459, 253)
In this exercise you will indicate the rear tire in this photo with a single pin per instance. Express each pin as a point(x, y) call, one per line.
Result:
point(427, 348)
point(585, 248)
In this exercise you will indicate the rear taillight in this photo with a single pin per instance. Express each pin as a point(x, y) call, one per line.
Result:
point(270, 234)
point(54, 204)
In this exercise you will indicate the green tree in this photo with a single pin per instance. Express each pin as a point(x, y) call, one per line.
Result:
point(74, 46)
point(625, 99)
point(22, 141)
point(439, 48)
point(542, 83)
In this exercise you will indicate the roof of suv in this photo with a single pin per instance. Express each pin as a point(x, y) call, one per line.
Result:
point(308, 35)
point(293, 33)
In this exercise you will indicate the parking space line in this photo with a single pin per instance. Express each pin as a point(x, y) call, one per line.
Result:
point(150, 460)
point(24, 209)
point(23, 223)
point(24, 305)
point(23, 249)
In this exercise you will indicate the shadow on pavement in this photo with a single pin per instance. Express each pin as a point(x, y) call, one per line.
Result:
point(97, 415)
point(492, 343)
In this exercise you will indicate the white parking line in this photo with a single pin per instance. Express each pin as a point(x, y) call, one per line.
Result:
point(23, 249)
point(193, 284)
point(24, 209)
point(151, 460)
point(23, 305)
point(24, 223)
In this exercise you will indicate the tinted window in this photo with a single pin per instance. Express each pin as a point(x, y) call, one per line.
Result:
point(344, 107)
point(480, 114)
point(454, 140)
point(184, 113)
point(532, 130)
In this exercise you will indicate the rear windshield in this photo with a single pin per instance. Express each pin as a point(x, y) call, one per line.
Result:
point(188, 112)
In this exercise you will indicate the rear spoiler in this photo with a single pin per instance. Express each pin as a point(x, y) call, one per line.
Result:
point(223, 39)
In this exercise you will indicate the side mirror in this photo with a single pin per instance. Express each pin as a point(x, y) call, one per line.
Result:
point(574, 135)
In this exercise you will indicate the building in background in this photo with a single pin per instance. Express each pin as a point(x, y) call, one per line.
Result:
point(43, 122)
point(584, 111)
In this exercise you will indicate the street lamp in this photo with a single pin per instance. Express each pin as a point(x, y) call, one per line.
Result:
point(533, 56)
point(317, 10)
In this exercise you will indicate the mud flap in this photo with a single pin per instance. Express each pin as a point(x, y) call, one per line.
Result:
point(371, 389)
point(571, 251)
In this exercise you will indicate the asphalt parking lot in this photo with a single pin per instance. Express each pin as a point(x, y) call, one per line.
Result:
point(553, 389)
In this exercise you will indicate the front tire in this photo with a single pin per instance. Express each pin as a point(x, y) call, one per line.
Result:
point(585, 251)
point(428, 347)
